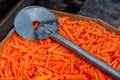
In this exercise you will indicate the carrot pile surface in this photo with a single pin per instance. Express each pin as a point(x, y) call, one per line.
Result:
point(48, 60)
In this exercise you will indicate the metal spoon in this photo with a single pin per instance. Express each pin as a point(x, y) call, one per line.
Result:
point(37, 23)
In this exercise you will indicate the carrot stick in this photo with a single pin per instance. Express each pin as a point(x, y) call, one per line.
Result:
point(76, 77)
point(9, 78)
point(45, 77)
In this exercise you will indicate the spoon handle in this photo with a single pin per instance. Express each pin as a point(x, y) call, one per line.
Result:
point(87, 56)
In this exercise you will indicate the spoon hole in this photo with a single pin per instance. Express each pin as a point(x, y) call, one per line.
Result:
point(36, 24)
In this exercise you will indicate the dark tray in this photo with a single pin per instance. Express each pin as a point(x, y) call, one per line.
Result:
point(6, 23)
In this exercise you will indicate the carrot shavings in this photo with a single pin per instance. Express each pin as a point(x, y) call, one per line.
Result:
point(48, 60)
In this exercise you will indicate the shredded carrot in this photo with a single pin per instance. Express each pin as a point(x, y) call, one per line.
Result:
point(48, 60)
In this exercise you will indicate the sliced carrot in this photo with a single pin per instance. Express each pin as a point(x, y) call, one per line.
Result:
point(46, 59)
point(76, 77)
point(45, 77)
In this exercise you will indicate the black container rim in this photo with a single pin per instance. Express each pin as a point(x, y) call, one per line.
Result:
point(6, 23)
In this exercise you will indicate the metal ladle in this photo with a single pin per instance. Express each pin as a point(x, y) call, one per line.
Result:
point(46, 24)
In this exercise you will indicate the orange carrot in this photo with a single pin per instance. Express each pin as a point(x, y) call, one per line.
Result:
point(46, 59)
point(45, 77)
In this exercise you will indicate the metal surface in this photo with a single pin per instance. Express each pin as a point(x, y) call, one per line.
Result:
point(6, 24)
point(25, 18)
point(102, 9)
point(23, 26)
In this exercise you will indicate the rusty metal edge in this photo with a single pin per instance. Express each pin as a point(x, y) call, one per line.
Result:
point(107, 26)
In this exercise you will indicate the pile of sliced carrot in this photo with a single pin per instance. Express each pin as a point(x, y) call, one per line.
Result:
point(48, 60)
